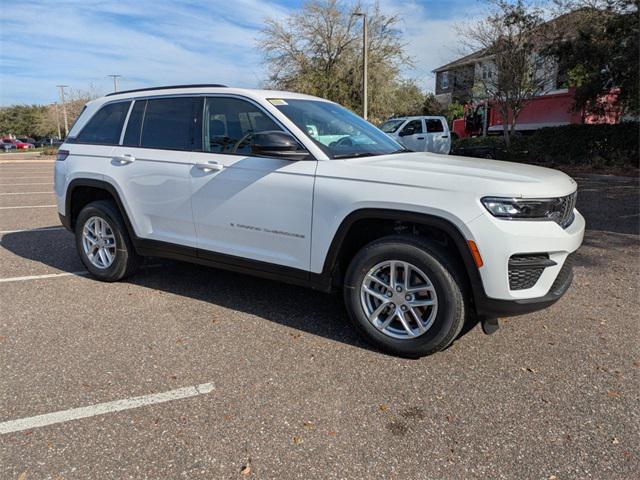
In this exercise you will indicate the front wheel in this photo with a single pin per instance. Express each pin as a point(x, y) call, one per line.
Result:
point(406, 295)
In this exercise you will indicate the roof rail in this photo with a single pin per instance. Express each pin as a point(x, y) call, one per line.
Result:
point(167, 87)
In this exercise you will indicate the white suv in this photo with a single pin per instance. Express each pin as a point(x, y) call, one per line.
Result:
point(297, 188)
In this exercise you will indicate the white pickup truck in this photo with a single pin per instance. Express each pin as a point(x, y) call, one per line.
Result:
point(296, 188)
point(420, 134)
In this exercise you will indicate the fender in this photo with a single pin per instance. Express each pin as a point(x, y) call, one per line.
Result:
point(103, 185)
point(403, 216)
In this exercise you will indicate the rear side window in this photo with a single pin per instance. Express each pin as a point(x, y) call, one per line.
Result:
point(434, 125)
point(134, 125)
point(171, 124)
point(105, 126)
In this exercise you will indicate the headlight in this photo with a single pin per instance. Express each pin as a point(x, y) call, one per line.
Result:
point(522, 208)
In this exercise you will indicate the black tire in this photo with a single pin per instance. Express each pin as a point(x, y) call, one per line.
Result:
point(447, 279)
point(126, 260)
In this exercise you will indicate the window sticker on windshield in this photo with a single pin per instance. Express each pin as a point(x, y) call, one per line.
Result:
point(277, 101)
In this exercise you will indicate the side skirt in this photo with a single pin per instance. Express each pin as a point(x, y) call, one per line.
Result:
point(294, 276)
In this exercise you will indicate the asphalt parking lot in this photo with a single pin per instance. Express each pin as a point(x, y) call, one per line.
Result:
point(246, 378)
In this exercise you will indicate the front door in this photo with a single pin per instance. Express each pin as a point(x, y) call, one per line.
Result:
point(412, 136)
point(248, 206)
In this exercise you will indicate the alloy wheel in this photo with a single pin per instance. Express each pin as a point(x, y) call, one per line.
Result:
point(399, 299)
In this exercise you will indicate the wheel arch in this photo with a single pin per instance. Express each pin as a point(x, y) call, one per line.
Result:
point(82, 191)
point(340, 249)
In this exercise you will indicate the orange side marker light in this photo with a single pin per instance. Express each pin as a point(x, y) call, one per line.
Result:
point(475, 253)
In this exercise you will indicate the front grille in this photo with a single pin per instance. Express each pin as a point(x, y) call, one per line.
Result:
point(567, 205)
point(525, 269)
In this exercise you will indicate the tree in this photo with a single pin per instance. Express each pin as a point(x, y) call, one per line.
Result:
point(42, 120)
point(601, 53)
point(318, 49)
point(21, 120)
point(512, 69)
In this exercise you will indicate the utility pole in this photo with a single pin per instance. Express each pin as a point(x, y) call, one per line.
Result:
point(64, 109)
point(115, 81)
point(364, 61)
point(57, 119)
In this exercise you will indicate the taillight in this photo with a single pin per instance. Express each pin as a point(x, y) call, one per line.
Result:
point(62, 155)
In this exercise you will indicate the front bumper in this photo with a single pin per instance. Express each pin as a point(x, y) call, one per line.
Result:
point(493, 308)
point(498, 240)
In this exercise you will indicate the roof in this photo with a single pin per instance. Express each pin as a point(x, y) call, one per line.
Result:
point(466, 60)
point(566, 23)
point(168, 87)
point(200, 89)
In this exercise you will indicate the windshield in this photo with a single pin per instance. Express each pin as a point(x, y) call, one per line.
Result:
point(337, 131)
point(391, 126)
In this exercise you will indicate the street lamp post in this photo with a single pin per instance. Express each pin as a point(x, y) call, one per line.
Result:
point(57, 119)
point(64, 109)
point(364, 62)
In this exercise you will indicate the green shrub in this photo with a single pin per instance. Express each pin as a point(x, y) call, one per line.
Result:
point(50, 150)
point(614, 145)
point(591, 145)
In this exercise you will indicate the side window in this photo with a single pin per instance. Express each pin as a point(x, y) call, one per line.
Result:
point(105, 126)
point(434, 125)
point(171, 124)
point(414, 126)
point(229, 123)
point(134, 125)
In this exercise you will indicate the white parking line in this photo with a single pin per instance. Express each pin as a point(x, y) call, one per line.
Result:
point(102, 408)
point(30, 177)
point(27, 193)
point(41, 171)
point(58, 275)
point(43, 229)
point(28, 206)
point(40, 277)
point(32, 183)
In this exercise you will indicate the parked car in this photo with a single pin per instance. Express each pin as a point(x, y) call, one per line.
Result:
point(47, 142)
point(245, 179)
point(17, 144)
point(420, 134)
point(7, 145)
point(27, 140)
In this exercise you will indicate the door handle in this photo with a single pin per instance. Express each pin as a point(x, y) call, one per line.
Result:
point(124, 159)
point(209, 166)
point(445, 136)
point(420, 138)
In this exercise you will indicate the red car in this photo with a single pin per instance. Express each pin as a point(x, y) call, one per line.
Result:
point(7, 142)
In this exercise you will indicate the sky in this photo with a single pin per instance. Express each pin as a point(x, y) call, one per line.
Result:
point(44, 43)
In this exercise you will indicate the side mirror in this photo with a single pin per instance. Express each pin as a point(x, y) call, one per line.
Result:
point(275, 143)
point(407, 131)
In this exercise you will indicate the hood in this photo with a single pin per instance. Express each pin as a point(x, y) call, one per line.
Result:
point(463, 174)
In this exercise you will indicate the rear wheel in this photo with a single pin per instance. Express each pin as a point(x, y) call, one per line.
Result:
point(406, 295)
point(103, 243)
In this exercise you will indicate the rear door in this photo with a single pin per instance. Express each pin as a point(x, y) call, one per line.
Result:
point(438, 137)
point(152, 167)
point(412, 136)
